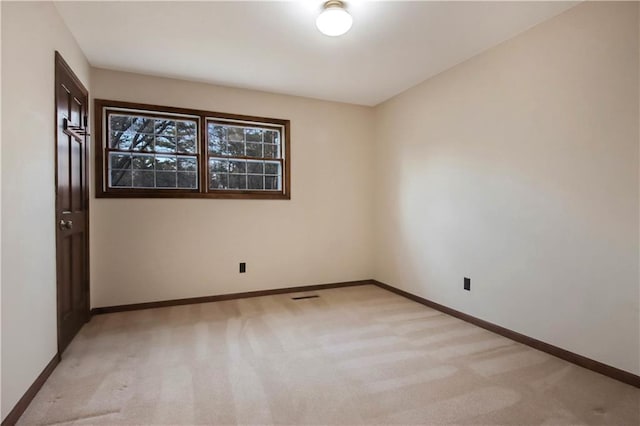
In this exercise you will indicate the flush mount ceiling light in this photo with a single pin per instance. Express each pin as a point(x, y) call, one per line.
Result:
point(334, 19)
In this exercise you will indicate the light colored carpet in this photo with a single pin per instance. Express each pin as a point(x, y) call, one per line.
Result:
point(357, 355)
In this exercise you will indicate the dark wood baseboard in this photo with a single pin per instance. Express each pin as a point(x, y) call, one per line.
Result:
point(23, 403)
point(582, 361)
point(221, 297)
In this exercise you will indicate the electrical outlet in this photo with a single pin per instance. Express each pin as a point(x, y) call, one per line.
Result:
point(243, 267)
point(467, 284)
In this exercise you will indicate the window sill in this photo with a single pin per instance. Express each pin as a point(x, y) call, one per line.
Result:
point(229, 195)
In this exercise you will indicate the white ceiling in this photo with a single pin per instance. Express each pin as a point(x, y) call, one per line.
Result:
point(275, 46)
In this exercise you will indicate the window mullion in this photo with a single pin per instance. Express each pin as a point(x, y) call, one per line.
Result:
point(203, 174)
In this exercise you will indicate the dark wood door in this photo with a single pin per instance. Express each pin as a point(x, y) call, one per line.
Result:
point(72, 203)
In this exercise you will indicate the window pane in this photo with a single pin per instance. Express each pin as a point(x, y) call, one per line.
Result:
point(187, 180)
point(271, 136)
point(143, 179)
point(187, 164)
point(255, 167)
point(120, 178)
point(235, 149)
point(272, 168)
point(186, 129)
point(119, 122)
point(218, 181)
point(143, 162)
point(218, 147)
point(218, 174)
point(217, 139)
point(253, 135)
point(255, 182)
point(120, 161)
point(254, 150)
point(237, 182)
point(165, 163)
point(235, 134)
point(143, 125)
point(218, 166)
point(165, 144)
point(272, 182)
point(238, 167)
point(166, 179)
point(271, 151)
point(165, 127)
point(121, 139)
point(186, 146)
point(139, 142)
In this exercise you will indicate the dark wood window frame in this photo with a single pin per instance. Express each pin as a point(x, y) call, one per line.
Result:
point(101, 106)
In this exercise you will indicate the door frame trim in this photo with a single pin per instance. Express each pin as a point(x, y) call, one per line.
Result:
point(61, 65)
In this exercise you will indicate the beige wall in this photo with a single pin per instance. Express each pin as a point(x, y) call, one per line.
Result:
point(31, 32)
point(147, 250)
point(519, 169)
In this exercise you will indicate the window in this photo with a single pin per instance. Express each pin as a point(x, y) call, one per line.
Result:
point(244, 156)
point(151, 151)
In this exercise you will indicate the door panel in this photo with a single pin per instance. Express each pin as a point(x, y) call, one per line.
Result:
point(76, 176)
point(71, 204)
point(77, 269)
point(65, 271)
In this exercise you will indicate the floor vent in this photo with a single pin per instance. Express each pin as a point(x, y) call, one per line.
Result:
point(305, 297)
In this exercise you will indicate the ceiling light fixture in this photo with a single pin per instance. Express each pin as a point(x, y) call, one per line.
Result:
point(334, 19)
